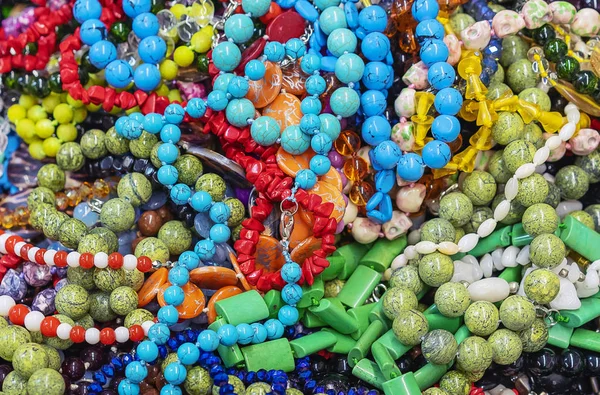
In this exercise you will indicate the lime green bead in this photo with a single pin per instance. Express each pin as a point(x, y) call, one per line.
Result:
point(436, 269)
point(474, 354)
point(398, 299)
point(452, 299)
point(506, 346)
point(481, 318)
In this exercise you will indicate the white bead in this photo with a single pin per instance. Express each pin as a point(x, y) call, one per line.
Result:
point(6, 303)
point(470, 259)
point(595, 265)
point(3, 239)
point(73, 259)
point(567, 131)
point(426, 247)
point(63, 331)
point(448, 248)
point(49, 257)
point(492, 290)
point(502, 210)
point(33, 321)
point(497, 258)
point(574, 272)
point(487, 227)
point(122, 334)
point(571, 107)
point(523, 256)
point(573, 116)
point(92, 335)
point(387, 274)
point(31, 254)
point(553, 142)
point(567, 297)
point(567, 206)
point(509, 256)
point(18, 247)
point(511, 188)
point(410, 252)
point(487, 265)
point(129, 262)
point(468, 242)
point(101, 260)
point(525, 170)
point(541, 156)
point(146, 325)
point(549, 177)
point(541, 169)
point(399, 261)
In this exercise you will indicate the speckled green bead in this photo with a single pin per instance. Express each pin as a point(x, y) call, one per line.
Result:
point(100, 307)
point(213, 184)
point(584, 218)
point(455, 383)
point(172, 357)
point(497, 168)
point(398, 299)
point(517, 153)
point(460, 232)
point(235, 233)
point(572, 181)
point(474, 354)
point(480, 187)
point(533, 134)
point(461, 21)
point(15, 384)
point(189, 169)
point(456, 207)
point(517, 313)
point(109, 236)
point(259, 388)
point(92, 144)
point(434, 391)
point(437, 230)
point(473, 376)
point(293, 391)
point(238, 386)
point(539, 219)
point(108, 279)
point(410, 326)
point(41, 195)
point(499, 75)
point(47, 382)
point(594, 211)
point(82, 277)
point(480, 214)
point(520, 76)
point(452, 299)
point(53, 357)
point(133, 279)
point(532, 190)
point(508, 127)
point(36, 337)
point(28, 358)
point(436, 269)
point(154, 155)
point(439, 347)
point(407, 276)
point(3, 322)
point(153, 248)
point(536, 96)
point(39, 214)
point(506, 346)
point(547, 251)
point(70, 157)
point(52, 177)
point(175, 236)
point(92, 243)
point(238, 211)
point(57, 342)
point(514, 214)
point(513, 48)
point(86, 321)
point(73, 301)
point(553, 198)
point(71, 232)
point(589, 163)
point(137, 317)
point(535, 337)
point(117, 215)
point(497, 90)
point(481, 318)
point(333, 288)
point(115, 143)
point(11, 337)
point(135, 188)
point(142, 146)
point(123, 300)
point(52, 222)
point(197, 381)
point(541, 286)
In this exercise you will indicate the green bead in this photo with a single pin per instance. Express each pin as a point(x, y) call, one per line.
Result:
point(55, 83)
point(73, 301)
point(456, 207)
point(154, 155)
point(497, 90)
point(28, 358)
point(594, 211)
point(92, 144)
point(53, 357)
point(517, 153)
point(536, 96)
point(3, 323)
point(532, 190)
point(439, 347)
point(584, 218)
point(407, 276)
point(52, 177)
point(506, 346)
point(553, 198)
point(135, 188)
point(480, 187)
point(259, 388)
point(436, 269)
point(108, 279)
point(153, 248)
point(117, 215)
point(52, 222)
point(238, 211)
point(15, 384)
point(108, 236)
point(533, 134)
point(410, 326)
point(119, 31)
point(189, 169)
point(71, 232)
point(202, 63)
point(333, 288)
point(541, 286)
point(460, 22)
point(555, 49)
point(474, 354)
point(175, 236)
point(434, 391)
point(115, 143)
point(197, 381)
point(585, 81)
point(137, 317)
point(508, 128)
point(480, 215)
point(452, 299)
point(535, 337)
point(572, 181)
point(547, 251)
point(213, 184)
point(498, 76)
point(438, 230)
point(133, 279)
point(567, 67)
point(514, 48)
point(517, 313)
point(514, 214)
point(172, 357)
point(41, 195)
point(398, 299)
point(70, 157)
point(539, 219)
point(39, 215)
point(498, 169)
point(544, 33)
point(481, 318)
point(57, 342)
point(100, 307)
point(46, 381)
point(143, 145)
point(520, 76)
point(455, 383)
point(11, 337)
point(590, 164)
point(123, 300)
point(92, 243)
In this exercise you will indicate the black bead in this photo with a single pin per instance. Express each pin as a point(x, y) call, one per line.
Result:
point(39, 87)
point(10, 80)
point(55, 83)
point(542, 362)
point(553, 383)
point(571, 362)
point(543, 34)
point(86, 63)
point(140, 165)
point(84, 75)
point(118, 164)
point(404, 363)
point(515, 367)
point(202, 63)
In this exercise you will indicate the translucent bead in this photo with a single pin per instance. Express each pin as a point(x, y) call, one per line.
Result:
point(356, 168)
point(167, 22)
point(187, 28)
point(360, 193)
point(347, 143)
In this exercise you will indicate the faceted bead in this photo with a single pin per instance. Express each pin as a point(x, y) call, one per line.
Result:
point(555, 49)
point(544, 33)
point(585, 82)
point(567, 67)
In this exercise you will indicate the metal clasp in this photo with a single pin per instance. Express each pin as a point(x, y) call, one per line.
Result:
point(96, 205)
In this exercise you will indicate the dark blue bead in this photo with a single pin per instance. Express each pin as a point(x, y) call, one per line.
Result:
point(484, 77)
point(95, 387)
point(216, 370)
point(242, 376)
point(310, 385)
point(136, 357)
point(116, 362)
point(261, 374)
point(269, 376)
point(279, 389)
point(172, 343)
point(220, 379)
point(330, 392)
point(127, 359)
point(99, 377)
point(162, 351)
point(319, 389)
point(372, 392)
point(190, 335)
point(488, 14)
point(490, 64)
point(302, 365)
point(290, 330)
point(108, 370)
point(251, 377)
point(280, 379)
point(352, 391)
point(306, 374)
point(231, 371)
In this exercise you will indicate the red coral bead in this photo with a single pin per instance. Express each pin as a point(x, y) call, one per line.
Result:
point(49, 326)
point(144, 264)
point(77, 334)
point(107, 336)
point(86, 260)
point(115, 260)
point(17, 314)
point(60, 259)
point(136, 333)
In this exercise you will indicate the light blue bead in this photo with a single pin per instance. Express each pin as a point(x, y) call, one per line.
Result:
point(180, 194)
point(208, 340)
point(314, 47)
point(383, 213)
point(175, 373)
point(136, 372)
point(410, 167)
point(92, 31)
point(386, 154)
point(288, 315)
point(428, 29)
point(376, 75)
point(167, 153)
point(196, 108)
point(315, 85)
point(374, 201)
point(147, 77)
point(132, 129)
point(245, 334)
point(170, 389)
point(330, 125)
point(239, 28)
point(174, 113)
point(121, 123)
point(126, 387)
point(205, 249)
point(102, 53)
point(310, 124)
point(274, 329)
point(168, 315)
point(265, 130)
point(376, 130)
point(217, 100)
point(320, 164)
point(188, 353)
point(433, 51)
point(179, 275)
point(170, 133)
point(310, 63)
point(445, 128)
point(135, 8)
point(83, 212)
point(256, 8)
point(295, 48)
point(291, 294)
point(167, 175)
point(351, 15)
point(201, 201)
point(118, 74)
point(294, 141)
point(375, 46)
point(425, 9)
point(332, 18)
point(228, 335)
point(448, 101)
point(319, 35)
point(349, 68)
point(441, 75)
point(138, 116)
point(84, 10)
point(147, 351)
point(226, 56)
point(174, 295)
point(436, 154)
point(153, 123)
point(323, 4)
point(321, 143)
point(306, 179)
point(385, 180)
point(239, 111)
point(255, 70)
point(291, 272)
point(341, 41)
point(220, 233)
point(274, 51)
point(373, 19)
point(344, 102)
point(222, 81)
point(152, 49)
point(159, 333)
point(328, 63)
point(238, 87)
point(260, 333)
point(373, 103)
point(145, 25)
point(189, 259)
point(306, 10)
point(219, 213)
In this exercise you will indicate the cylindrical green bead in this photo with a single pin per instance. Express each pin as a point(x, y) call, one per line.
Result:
point(430, 374)
point(336, 264)
point(274, 302)
point(560, 335)
point(231, 356)
point(386, 363)
point(343, 343)
point(511, 274)
point(333, 313)
point(403, 385)
point(254, 308)
point(377, 314)
point(580, 238)
point(364, 343)
point(361, 315)
point(438, 321)
point(359, 286)
point(590, 309)
point(586, 339)
point(369, 372)
point(312, 321)
point(352, 254)
point(312, 294)
point(312, 343)
point(381, 255)
point(271, 355)
point(520, 238)
point(498, 239)
point(392, 344)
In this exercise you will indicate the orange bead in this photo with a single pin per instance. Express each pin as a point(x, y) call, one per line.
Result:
point(17, 314)
point(8, 221)
point(60, 259)
point(115, 260)
point(73, 197)
point(360, 193)
point(49, 326)
point(136, 333)
point(347, 143)
point(100, 188)
point(61, 201)
point(356, 168)
point(107, 336)
point(78, 334)
point(86, 260)
point(85, 190)
point(144, 264)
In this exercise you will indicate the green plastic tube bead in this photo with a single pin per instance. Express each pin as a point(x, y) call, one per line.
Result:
point(343, 343)
point(359, 286)
point(590, 309)
point(377, 314)
point(352, 254)
point(386, 363)
point(438, 321)
point(498, 239)
point(332, 312)
point(392, 344)
point(580, 238)
point(430, 374)
point(231, 356)
point(312, 321)
point(364, 343)
point(336, 264)
point(274, 354)
point(311, 294)
point(361, 315)
point(511, 274)
point(369, 372)
point(380, 257)
point(312, 343)
point(586, 339)
point(274, 302)
point(254, 308)
point(403, 385)
point(520, 238)
point(560, 335)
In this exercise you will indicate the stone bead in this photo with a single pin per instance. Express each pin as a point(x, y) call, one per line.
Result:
point(14, 384)
point(238, 386)
point(142, 146)
point(439, 347)
point(71, 232)
point(520, 76)
point(547, 251)
point(586, 22)
point(594, 211)
point(535, 337)
point(517, 313)
point(497, 90)
point(57, 342)
point(176, 237)
point(517, 153)
point(115, 143)
point(480, 214)
point(506, 346)
point(153, 248)
point(477, 36)
point(514, 214)
point(46, 381)
point(455, 383)
point(553, 199)
point(117, 215)
point(397, 226)
point(407, 276)
point(410, 198)
point(591, 165)
point(109, 236)
point(53, 357)
point(474, 354)
point(213, 184)
point(436, 269)
point(86, 321)
point(536, 13)
point(514, 48)
point(123, 300)
point(137, 317)
point(92, 243)
point(41, 195)
point(398, 299)
point(454, 47)
point(452, 299)
point(584, 218)
point(172, 357)
point(133, 279)
point(108, 279)
point(480, 187)
point(52, 223)
point(506, 23)
point(416, 75)
point(154, 155)
point(134, 188)
point(189, 169)
point(197, 381)
point(536, 96)
point(532, 190)
point(434, 391)
point(92, 144)
point(237, 210)
point(507, 128)
point(52, 177)
point(28, 358)
point(11, 337)
point(572, 181)
point(410, 326)
point(456, 207)
point(365, 231)
point(498, 169)
point(437, 230)
point(405, 104)
point(533, 134)
point(460, 21)
point(585, 143)
point(563, 12)
point(82, 277)
point(498, 76)
point(70, 157)
point(100, 308)
point(481, 318)
point(73, 301)
point(540, 218)
point(259, 388)
point(149, 223)
point(333, 288)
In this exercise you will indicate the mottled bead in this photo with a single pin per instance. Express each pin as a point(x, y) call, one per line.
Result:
point(541, 286)
point(480, 187)
point(100, 308)
point(506, 346)
point(455, 383)
point(108, 279)
point(535, 337)
point(46, 381)
point(52, 177)
point(28, 358)
point(189, 169)
point(547, 251)
point(143, 145)
point(197, 381)
point(456, 207)
point(532, 190)
point(474, 354)
point(153, 248)
point(540, 218)
point(410, 326)
point(109, 236)
point(57, 342)
point(513, 48)
point(481, 318)
point(154, 155)
point(92, 243)
point(82, 277)
point(123, 300)
point(460, 21)
point(213, 184)
point(436, 269)
point(135, 188)
point(536, 96)
point(553, 198)
point(53, 357)
point(497, 90)
point(583, 217)
point(508, 127)
point(73, 301)
point(533, 134)
point(259, 388)
point(70, 157)
point(115, 143)
point(514, 214)
point(439, 347)
point(567, 67)
point(517, 313)
point(137, 317)
point(497, 168)
point(452, 299)
point(92, 144)
point(572, 181)
point(117, 215)
point(52, 222)
point(333, 288)
point(434, 391)
point(41, 195)
point(594, 211)
point(498, 76)
point(175, 236)
point(86, 321)
point(71, 232)
point(438, 230)
point(480, 214)
point(518, 153)
point(585, 81)
point(407, 276)
point(15, 384)
point(398, 299)
point(11, 337)
point(133, 279)
point(590, 163)
point(238, 386)
point(520, 76)
point(237, 210)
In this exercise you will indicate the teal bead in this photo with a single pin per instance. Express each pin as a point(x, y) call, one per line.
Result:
point(239, 28)
point(294, 141)
point(239, 111)
point(341, 41)
point(265, 131)
point(344, 102)
point(332, 18)
point(226, 56)
point(349, 68)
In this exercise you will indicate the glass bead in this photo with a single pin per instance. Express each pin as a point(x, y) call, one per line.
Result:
point(361, 192)
point(555, 49)
point(544, 33)
point(585, 82)
point(356, 168)
point(347, 143)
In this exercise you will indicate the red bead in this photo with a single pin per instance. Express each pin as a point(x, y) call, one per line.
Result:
point(60, 259)
point(17, 314)
point(77, 334)
point(107, 336)
point(144, 264)
point(49, 326)
point(136, 333)
point(25, 251)
point(86, 260)
point(115, 260)
point(39, 256)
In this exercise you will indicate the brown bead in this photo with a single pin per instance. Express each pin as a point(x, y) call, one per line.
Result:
point(153, 371)
point(145, 387)
point(150, 223)
point(165, 214)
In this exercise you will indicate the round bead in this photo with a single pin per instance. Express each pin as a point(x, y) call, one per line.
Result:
point(226, 56)
point(84, 10)
point(228, 335)
point(373, 19)
point(119, 74)
point(274, 329)
point(92, 31)
point(506, 346)
point(452, 299)
point(386, 155)
point(410, 167)
point(547, 251)
point(482, 318)
point(344, 102)
point(135, 8)
point(445, 128)
point(373, 102)
point(265, 130)
point(433, 51)
point(208, 340)
point(441, 75)
point(102, 53)
point(375, 46)
point(436, 154)
point(410, 326)
point(239, 111)
point(448, 101)
point(294, 141)
point(375, 130)
point(288, 315)
point(341, 41)
point(349, 68)
point(245, 334)
point(145, 25)
point(239, 28)
point(439, 346)
point(152, 49)
point(306, 179)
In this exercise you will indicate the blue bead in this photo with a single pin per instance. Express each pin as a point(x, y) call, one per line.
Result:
point(132, 129)
point(441, 75)
point(174, 295)
point(168, 315)
point(265, 130)
point(217, 100)
point(490, 63)
point(145, 25)
point(386, 154)
point(295, 48)
point(208, 340)
point(255, 70)
point(135, 8)
point(349, 68)
point(84, 213)
point(170, 133)
point(310, 105)
point(222, 81)
point(226, 56)
point(109, 370)
point(170, 389)
point(92, 31)
point(341, 41)
point(219, 213)
point(274, 329)
point(189, 259)
point(410, 167)
point(315, 85)
point(84, 10)
point(323, 4)
point(385, 180)
point(239, 28)
point(179, 275)
point(436, 154)
point(310, 124)
point(175, 373)
point(425, 9)
point(373, 19)
point(291, 294)
point(344, 102)
point(330, 125)
point(121, 124)
point(332, 18)
point(291, 272)
point(433, 51)
point(306, 10)
point(377, 75)
point(288, 315)
point(196, 108)
point(188, 354)
point(310, 62)
point(205, 249)
point(152, 49)
point(484, 77)
point(294, 141)
point(228, 335)
point(256, 8)
point(118, 73)
point(375, 46)
point(445, 128)
point(376, 130)
point(201, 201)
point(153, 123)
point(167, 175)
point(136, 372)
point(306, 179)
point(448, 101)
point(238, 87)
point(321, 143)
point(174, 113)
point(102, 53)
point(147, 350)
point(167, 153)
point(274, 51)
point(220, 233)
point(328, 63)
point(126, 387)
point(245, 333)
point(429, 29)
point(320, 164)
point(373, 102)
point(260, 333)
point(239, 111)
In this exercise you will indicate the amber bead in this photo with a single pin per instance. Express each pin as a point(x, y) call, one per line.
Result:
point(100, 188)
point(361, 192)
point(150, 223)
point(61, 201)
point(347, 143)
point(73, 197)
point(356, 168)
point(456, 144)
point(8, 221)
point(86, 191)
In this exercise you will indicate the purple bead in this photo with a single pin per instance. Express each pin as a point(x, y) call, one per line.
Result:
point(336, 159)
point(344, 180)
point(13, 285)
point(60, 284)
point(44, 301)
point(36, 275)
point(243, 195)
point(340, 227)
point(56, 4)
point(27, 17)
point(11, 27)
point(191, 90)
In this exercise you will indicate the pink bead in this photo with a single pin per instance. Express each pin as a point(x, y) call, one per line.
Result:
point(477, 36)
point(563, 12)
point(417, 76)
point(586, 141)
point(336, 159)
point(410, 198)
point(586, 22)
point(403, 135)
point(454, 48)
point(506, 23)
point(535, 13)
point(404, 106)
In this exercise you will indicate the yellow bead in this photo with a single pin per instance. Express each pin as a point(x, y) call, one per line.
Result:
point(183, 56)
point(174, 95)
point(93, 107)
point(63, 113)
point(27, 101)
point(44, 128)
point(50, 102)
point(66, 132)
point(162, 90)
point(26, 128)
point(74, 103)
point(208, 29)
point(201, 42)
point(169, 69)
point(51, 146)
point(178, 10)
point(115, 111)
point(36, 150)
point(79, 115)
point(16, 112)
point(36, 113)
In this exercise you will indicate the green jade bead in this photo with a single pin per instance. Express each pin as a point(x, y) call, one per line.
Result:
point(535, 337)
point(52, 177)
point(407, 276)
point(410, 326)
point(115, 143)
point(386, 363)
point(312, 343)
point(580, 238)
point(189, 169)
point(142, 146)
point(506, 346)
point(361, 315)
point(398, 299)
point(589, 310)
point(542, 286)
point(436, 269)
point(586, 339)
point(384, 251)
point(560, 335)
point(439, 347)
point(438, 230)
point(452, 299)
point(480, 187)
point(369, 372)
point(343, 343)
point(474, 354)
point(93, 144)
point(231, 356)
point(482, 318)
point(274, 302)
point(312, 294)
point(135, 188)
point(359, 286)
point(547, 251)
point(364, 343)
point(312, 321)
point(332, 312)
point(517, 313)
point(507, 128)
point(455, 383)
point(255, 309)
point(270, 355)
